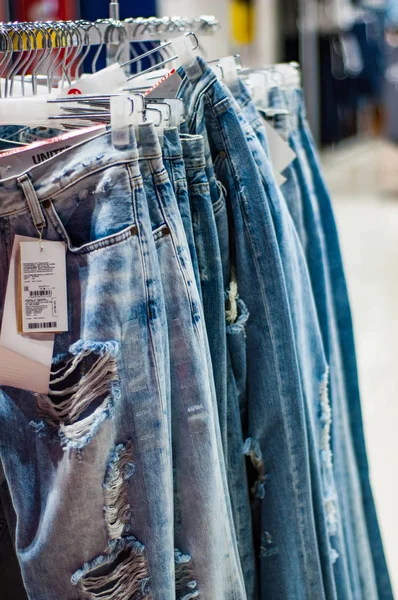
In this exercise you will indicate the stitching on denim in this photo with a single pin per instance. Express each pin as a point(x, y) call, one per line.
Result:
point(199, 187)
point(191, 300)
point(288, 432)
point(53, 195)
point(147, 304)
point(89, 247)
point(194, 165)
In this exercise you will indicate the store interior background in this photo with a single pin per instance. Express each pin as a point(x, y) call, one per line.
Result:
point(349, 61)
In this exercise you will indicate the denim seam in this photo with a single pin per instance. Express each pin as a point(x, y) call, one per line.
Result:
point(288, 432)
point(199, 187)
point(89, 247)
point(160, 232)
point(227, 157)
point(217, 206)
point(195, 166)
point(221, 107)
point(147, 291)
point(182, 183)
point(173, 241)
point(72, 183)
point(203, 93)
point(172, 156)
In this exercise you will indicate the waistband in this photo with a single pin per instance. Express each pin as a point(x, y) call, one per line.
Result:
point(173, 156)
point(149, 149)
point(193, 148)
point(65, 169)
point(172, 147)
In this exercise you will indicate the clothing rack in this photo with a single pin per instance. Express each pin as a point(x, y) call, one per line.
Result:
point(65, 34)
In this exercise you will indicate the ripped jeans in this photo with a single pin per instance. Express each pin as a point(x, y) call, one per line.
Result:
point(88, 466)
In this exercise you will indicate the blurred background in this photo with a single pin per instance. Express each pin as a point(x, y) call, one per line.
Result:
point(348, 52)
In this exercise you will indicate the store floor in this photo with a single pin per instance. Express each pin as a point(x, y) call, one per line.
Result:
point(363, 178)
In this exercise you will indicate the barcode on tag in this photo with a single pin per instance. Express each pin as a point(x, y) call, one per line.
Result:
point(49, 325)
point(44, 306)
point(38, 293)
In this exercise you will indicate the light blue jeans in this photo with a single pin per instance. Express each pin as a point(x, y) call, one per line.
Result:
point(89, 466)
point(207, 557)
point(274, 410)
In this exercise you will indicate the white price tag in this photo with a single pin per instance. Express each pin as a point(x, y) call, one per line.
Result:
point(25, 362)
point(281, 153)
point(43, 287)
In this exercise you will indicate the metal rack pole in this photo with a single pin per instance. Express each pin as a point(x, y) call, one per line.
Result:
point(114, 50)
point(114, 10)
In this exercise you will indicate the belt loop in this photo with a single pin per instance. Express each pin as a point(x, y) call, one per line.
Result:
point(34, 205)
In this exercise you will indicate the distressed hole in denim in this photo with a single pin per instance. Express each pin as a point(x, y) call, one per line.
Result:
point(326, 451)
point(326, 420)
point(121, 574)
point(117, 508)
point(236, 312)
point(267, 548)
point(330, 496)
point(186, 585)
point(334, 555)
point(252, 450)
point(83, 390)
point(231, 305)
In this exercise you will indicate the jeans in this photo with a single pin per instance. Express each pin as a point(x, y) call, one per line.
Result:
point(207, 558)
point(354, 571)
point(276, 442)
point(347, 344)
point(175, 167)
point(85, 463)
point(225, 339)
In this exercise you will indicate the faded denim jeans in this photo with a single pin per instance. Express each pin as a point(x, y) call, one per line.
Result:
point(89, 466)
point(204, 528)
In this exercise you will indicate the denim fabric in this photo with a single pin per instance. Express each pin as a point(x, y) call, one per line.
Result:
point(225, 342)
point(354, 569)
point(12, 587)
point(277, 439)
point(242, 96)
point(175, 167)
point(347, 344)
point(314, 371)
point(203, 522)
point(12, 136)
point(84, 477)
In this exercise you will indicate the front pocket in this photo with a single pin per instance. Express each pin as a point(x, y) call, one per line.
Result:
point(93, 212)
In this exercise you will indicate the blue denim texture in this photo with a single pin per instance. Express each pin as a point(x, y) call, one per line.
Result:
point(188, 447)
point(277, 443)
point(203, 525)
point(225, 342)
point(91, 481)
point(314, 370)
point(175, 167)
point(354, 570)
point(249, 111)
point(347, 344)
point(12, 136)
